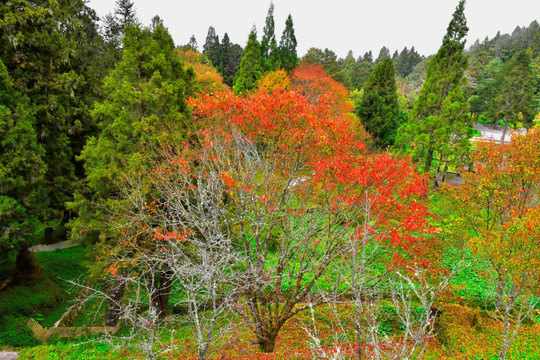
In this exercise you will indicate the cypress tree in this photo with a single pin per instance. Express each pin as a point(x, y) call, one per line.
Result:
point(213, 50)
point(440, 125)
point(143, 109)
point(269, 48)
point(287, 46)
point(251, 68)
point(379, 109)
point(232, 56)
point(56, 58)
point(514, 100)
point(22, 195)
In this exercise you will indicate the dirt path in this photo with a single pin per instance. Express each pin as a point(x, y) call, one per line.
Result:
point(58, 245)
point(8, 355)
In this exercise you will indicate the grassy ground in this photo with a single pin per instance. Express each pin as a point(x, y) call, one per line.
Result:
point(464, 333)
point(45, 300)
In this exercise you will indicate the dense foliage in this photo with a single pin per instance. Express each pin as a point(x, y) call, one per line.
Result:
point(245, 202)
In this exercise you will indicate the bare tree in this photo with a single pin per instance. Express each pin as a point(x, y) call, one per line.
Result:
point(412, 290)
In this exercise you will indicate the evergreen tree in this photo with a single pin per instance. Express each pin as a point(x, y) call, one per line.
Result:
point(115, 24)
point(440, 126)
point(213, 50)
point(232, 56)
point(368, 56)
point(193, 43)
point(287, 46)
point(55, 57)
point(514, 100)
point(383, 54)
point(269, 48)
point(251, 68)
point(379, 109)
point(22, 196)
point(143, 109)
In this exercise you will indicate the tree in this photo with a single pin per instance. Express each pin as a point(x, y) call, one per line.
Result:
point(56, 58)
point(497, 211)
point(514, 99)
point(115, 24)
point(383, 54)
point(316, 86)
point(232, 56)
point(287, 46)
point(193, 43)
point(251, 67)
point(440, 126)
point(209, 80)
point(293, 172)
point(22, 195)
point(274, 80)
point(379, 110)
point(213, 49)
point(368, 56)
point(269, 48)
point(144, 107)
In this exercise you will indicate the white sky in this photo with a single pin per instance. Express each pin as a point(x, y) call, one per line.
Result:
point(339, 25)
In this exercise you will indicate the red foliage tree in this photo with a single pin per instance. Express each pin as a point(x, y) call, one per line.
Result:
point(286, 161)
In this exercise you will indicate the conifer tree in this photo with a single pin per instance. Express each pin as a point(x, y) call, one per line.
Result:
point(379, 110)
point(144, 108)
point(232, 56)
point(269, 48)
point(23, 201)
point(56, 58)
point(213, 50)
point(440, 125)
point(514, 99)
point(287, 46)
point(251, 67)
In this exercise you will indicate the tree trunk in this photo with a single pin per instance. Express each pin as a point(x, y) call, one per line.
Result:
point(160, 297)
point(505, 128)
point(114, 288)
point(26, 268)
point(267, 342)
point(429, 160)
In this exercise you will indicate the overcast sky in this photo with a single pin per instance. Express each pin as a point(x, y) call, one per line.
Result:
point(339, 25)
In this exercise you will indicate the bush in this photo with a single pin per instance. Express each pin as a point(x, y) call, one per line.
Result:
point(15, 333)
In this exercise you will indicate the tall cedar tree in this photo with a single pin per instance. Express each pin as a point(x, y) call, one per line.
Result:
point(515, 96)
point(232, 56)
point(379, 110)
point(251, 67)
point(22, 196)
point(144, 109)
point(213, 49)
point(53, 54)
point(269, 48)
point(287, 46)
point(440, 126)
point(115, 26)
point(144, 106)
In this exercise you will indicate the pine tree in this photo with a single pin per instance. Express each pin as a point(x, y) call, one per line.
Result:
point(57, 59)
point(368, 56)
point(287, 46)
point(251, 68)
point(143, 109)
point(379, 110)
point(269, 48)
point(213, 49)
point(232, 56)
point(22, 195)
point(514, 100)
point(440, 125)
point(193, 43)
